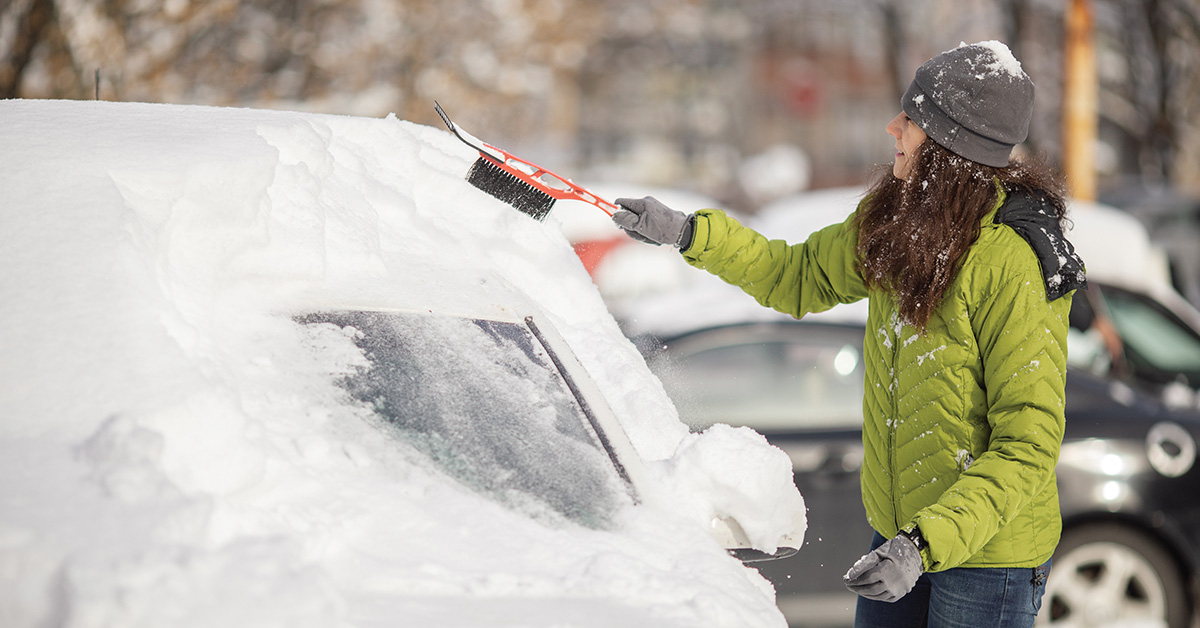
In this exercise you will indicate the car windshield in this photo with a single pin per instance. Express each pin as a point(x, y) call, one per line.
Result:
point(1156, 342)
point(485, 402)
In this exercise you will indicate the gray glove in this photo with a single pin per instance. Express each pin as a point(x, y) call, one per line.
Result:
point(648, 220)
point(888, 572)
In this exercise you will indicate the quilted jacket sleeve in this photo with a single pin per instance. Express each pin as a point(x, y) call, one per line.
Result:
point(795, 279)
point(1022, 343)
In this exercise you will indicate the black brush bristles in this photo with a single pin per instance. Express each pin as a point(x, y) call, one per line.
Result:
point(493, 179)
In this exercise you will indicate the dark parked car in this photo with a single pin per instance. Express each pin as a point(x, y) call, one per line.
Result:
point(1130, 491)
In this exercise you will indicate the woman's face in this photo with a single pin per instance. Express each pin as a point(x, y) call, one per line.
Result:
point(908, 137)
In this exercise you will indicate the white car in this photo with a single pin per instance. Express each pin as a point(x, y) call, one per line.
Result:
point(280, 369)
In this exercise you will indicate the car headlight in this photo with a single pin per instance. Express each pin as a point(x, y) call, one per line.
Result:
point(1103, 457)
point(1170, 449)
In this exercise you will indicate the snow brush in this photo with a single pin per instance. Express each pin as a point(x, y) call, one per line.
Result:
point(526, 186)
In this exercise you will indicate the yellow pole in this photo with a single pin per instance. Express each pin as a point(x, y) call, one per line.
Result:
point(1079, 102)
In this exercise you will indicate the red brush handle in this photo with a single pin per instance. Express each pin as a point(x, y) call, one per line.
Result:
point(545, 180)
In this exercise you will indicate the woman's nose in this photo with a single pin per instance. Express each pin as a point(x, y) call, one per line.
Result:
point(893, 128)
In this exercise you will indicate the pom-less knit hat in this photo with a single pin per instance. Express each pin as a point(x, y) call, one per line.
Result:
point(974, 100)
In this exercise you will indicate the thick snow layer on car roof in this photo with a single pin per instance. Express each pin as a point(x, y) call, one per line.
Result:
point(172, 454)
point(1115, 246)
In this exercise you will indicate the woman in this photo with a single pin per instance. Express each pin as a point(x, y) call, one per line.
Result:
point(962, 257)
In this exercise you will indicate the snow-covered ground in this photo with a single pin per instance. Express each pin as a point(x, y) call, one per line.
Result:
point(176, 451)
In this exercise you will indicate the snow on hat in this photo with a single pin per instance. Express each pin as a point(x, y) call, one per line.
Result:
point(974, 100)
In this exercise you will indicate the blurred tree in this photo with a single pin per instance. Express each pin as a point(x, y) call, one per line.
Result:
point(1015, 14)
point(696, 83)
point(1151, 101)
point(1034, 31)
point(366, 57)
point(895, 44)
point(27, 23)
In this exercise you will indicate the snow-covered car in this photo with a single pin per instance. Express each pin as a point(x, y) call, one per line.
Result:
point(1129, 486)
point(281, 369)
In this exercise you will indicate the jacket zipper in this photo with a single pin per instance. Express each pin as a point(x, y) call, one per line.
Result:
point(894, 423)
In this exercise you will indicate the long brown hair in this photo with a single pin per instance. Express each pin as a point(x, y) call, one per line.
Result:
point(914, 232)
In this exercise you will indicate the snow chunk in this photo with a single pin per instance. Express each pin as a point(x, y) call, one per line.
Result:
point(732, 472)
point(1003, 62)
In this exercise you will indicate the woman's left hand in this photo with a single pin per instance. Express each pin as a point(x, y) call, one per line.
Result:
point(648, 220)
point(888, 572)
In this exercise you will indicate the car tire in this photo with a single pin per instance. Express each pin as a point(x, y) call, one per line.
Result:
point(1105, 573)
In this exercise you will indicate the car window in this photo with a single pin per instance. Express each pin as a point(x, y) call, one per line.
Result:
point(484, 401)
point(1157, 343)
point(799, 377)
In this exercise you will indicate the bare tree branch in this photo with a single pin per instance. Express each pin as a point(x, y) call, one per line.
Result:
point(31, 24)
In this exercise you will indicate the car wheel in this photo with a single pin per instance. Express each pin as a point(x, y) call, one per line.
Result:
point(1113, 575)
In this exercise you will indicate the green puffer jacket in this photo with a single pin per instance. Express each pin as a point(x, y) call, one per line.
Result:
point(962, 424)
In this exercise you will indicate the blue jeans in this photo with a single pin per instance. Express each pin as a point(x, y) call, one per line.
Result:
point(961, 598)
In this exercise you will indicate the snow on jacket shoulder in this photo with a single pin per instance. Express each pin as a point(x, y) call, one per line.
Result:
point(962, 424)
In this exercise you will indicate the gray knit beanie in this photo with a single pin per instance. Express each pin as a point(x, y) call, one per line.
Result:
point(974, 100)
